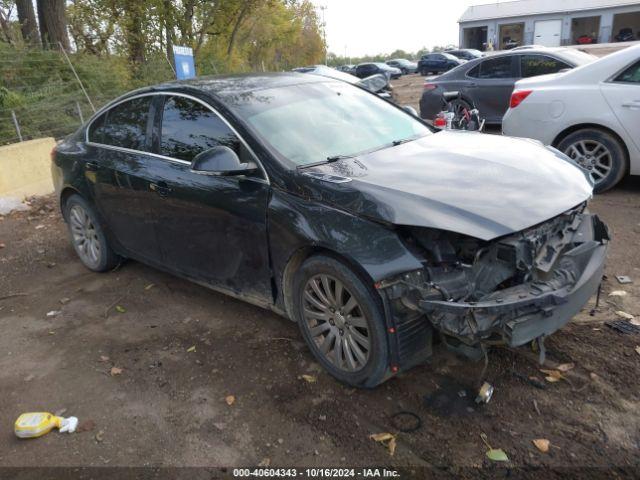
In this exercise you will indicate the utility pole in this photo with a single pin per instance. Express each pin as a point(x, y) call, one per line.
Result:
point(323, 9)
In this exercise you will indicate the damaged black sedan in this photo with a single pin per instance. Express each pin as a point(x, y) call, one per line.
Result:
point(318, 200)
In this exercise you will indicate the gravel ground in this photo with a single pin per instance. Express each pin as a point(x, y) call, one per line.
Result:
point(183, 350)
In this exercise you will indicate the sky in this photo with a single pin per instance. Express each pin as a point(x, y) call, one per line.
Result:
point(382, 26)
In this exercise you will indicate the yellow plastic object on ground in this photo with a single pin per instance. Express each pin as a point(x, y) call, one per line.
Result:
point(36, 424)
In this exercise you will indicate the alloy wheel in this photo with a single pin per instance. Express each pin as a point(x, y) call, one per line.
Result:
point(593, 156)
point(85, 235)
point(336, 323)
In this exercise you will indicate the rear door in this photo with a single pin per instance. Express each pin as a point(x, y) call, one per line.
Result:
point(623, 96)
point(211, 228)
point(118, 177)
point(491, 85)
point(534, 64)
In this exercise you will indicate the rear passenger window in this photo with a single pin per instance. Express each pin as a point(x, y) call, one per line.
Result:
point(532, 65)
point(496, 68)
point(126, 125)
point(188, 128)
point(630, 75)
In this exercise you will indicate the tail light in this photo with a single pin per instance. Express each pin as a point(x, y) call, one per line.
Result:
point(440, 122)
point(430, 86)
point(518, 97)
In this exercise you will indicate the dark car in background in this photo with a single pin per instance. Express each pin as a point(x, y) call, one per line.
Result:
point(625, 35)
point(365, 70)
point(465, 53)
point(350, 69)
point(487, 82)
point(404, 65)
point(438, 63)
point(338, 210)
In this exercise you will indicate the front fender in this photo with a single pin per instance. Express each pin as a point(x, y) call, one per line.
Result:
point(296, 223)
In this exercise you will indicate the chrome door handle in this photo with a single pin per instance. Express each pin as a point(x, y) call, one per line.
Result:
point(633, 104)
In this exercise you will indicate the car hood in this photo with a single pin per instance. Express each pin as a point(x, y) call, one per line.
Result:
point(480, 185)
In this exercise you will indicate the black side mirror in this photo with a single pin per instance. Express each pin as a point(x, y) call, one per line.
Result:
point(221, 160)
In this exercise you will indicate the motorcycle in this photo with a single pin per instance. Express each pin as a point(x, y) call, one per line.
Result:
point(456, 114)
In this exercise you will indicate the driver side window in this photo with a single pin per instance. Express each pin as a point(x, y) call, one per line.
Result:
point(188, 128)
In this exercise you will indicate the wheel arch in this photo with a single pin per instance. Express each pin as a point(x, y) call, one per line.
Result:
point(65, 194)
point(299, 257)
point(592, 126)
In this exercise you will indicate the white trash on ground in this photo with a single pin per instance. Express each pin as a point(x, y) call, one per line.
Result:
point(10, 204)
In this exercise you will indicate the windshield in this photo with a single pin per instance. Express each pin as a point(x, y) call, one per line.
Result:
point(314, 122)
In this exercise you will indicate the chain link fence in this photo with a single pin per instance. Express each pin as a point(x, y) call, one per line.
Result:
point(49, 94)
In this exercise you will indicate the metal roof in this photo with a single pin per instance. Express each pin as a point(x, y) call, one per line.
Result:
point(523, 8)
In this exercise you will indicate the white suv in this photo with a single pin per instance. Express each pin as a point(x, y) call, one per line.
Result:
point(591, 113)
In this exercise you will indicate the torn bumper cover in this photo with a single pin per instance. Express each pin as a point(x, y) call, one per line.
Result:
point(521, 313)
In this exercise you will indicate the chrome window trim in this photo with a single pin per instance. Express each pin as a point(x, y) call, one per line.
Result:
point(163, 157)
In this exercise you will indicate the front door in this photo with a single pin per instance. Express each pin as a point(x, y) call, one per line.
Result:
point(210, 228)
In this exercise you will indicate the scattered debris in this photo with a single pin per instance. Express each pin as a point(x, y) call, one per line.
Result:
point(104, 358)
point(54, 313)
point(115, 371)
point(64, 300)
point(485, 393)
point(623, 279)
point(534, 381)
point(39, 227)
point(99, 436)
point(191, 349)
point(623, 326)
point(637, 349)
point(541, 444)
point(2, 245)
point(265, 462)
point(624, 315)
point(405, 421)
point(60, 412)
point(387, 439)
point(230, 399)
point(29, 377)
point(618, 293)
point(309, 378)
point(565, 367)
point(150, 286)
point(36, 424)
point(594, 376)
point(494, 454)
point(552, 375)
point(11, 204)
point(120, 309)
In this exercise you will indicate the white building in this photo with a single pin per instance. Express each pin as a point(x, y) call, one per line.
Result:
point(548, 22)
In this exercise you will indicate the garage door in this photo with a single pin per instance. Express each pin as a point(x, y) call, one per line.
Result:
point(547, 33)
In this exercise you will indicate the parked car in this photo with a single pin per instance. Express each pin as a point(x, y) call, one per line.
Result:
point(379, 86)
point(405, 66)
point(509, 43)
point(367, 69)
point(437, 63)
point(465, 53)
point(586, 40)
point(488, 82)
point(625, 35)
point(591, 113)
point(350, 69)
point(338, 210)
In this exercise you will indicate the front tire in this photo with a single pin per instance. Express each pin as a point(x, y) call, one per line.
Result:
point(341, 319)
point(87, 236)
point(600, 152)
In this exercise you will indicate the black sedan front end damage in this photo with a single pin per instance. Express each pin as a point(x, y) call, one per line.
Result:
point(508, 291)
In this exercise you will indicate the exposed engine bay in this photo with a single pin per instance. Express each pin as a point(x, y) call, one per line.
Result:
point(510, 290)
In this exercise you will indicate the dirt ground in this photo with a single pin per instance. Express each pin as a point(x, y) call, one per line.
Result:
point(183, 349)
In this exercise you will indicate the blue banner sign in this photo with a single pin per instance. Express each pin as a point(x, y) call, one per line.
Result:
point(183, 58)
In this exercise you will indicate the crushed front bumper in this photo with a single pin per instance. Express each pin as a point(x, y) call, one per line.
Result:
point(519, 314)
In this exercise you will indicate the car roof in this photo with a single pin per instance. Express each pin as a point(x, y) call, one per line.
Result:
point(236, 84)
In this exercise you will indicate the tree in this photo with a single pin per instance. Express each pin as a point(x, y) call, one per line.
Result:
point(27, 20)
point(53, 23)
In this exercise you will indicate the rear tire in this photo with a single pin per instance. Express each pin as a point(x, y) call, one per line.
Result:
point(600, 152)
point(87, 235)
point(341, 319)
